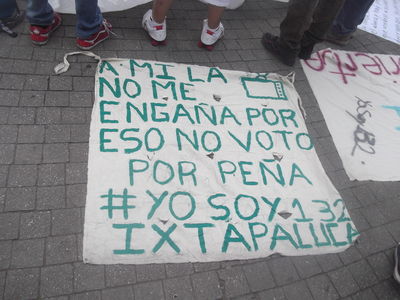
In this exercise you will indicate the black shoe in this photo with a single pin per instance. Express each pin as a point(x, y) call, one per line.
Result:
point(337, 39)
point(283, 53)
point(396, 273)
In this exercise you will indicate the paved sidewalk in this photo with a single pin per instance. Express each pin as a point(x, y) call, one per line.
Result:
point(44, 132)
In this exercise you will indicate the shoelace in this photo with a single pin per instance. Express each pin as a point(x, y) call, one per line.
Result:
point(7, 30)
point(105, 23)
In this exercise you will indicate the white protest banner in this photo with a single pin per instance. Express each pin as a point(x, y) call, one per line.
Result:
point(190, 163)
point(359, 96)
point(383, 20)
point(68, 7)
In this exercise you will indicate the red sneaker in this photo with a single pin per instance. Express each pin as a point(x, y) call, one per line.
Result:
point(40, 35)
point(95, 38)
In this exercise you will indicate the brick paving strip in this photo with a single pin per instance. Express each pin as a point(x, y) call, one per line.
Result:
point(44, 133)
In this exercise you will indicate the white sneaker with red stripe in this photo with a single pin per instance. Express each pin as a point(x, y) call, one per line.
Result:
point(209, 37)
point(156, 31)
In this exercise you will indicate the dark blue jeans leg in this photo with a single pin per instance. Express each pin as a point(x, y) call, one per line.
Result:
point(351, 15)
point(89, 18)
point(7, 8)
point(39, 12)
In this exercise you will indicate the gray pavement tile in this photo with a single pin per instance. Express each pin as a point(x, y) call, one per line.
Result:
point(48, 115)
point(37, 83)
point(297, 290)
point(4, 111)
point(21, 115)
point(363, 274)
point(6, 153)
point(81, 99)
point(375, 240)
point(350, 255)
point(35, 224)
point(23, 66)
point(31, 134)
point(359, 220)
point(283, 270)
point(58, 133)
point(120, 293)
point(306, 266)
point(9, 225)
point(174, 270)
point(88, 277)
point(57, 98)
point(2, 281)
point(233, 282)
point(61, 249)
point(12, 81)
point(40, 54)
point(72, 115)
point(80, 133)
point(9, 97)
point(3, 181)
point(149, 290)
point(389, 209)
point(386, 290)
point(76, 195)
point(2, 196)
point(56, 280)
point(207, 266)
point(373, 215)
point(78, 152)
point(60, 83)
point(9, 134)
point(276, 294)
point(28, 154)
point(6, 65)
point(22, 175)
point(258, 276)
point(76, 173)
point(27, 253)
point(394, 229)
point(380, 264)
point(329, 262)
point(117, 275)
point(95, 295)
point(150, 272)
point(344, 282)
point(66, 221)
point(56, 153)
point(365, 195)
point(51, 174)
point(22, 284)
point(367, 294)
point(20, 199)
point(178, 288)
point(206, 285)
point(21, 52)
point(322, 288)
point(85, 84)
point(50, 197)
point(5, 254)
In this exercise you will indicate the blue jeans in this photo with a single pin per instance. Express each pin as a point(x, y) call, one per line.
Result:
point(351, 15)
point(89, 18)
point(7, 8)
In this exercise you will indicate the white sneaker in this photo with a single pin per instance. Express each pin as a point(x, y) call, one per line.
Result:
point(211, 36)
point(157, 31)
point(396, 273)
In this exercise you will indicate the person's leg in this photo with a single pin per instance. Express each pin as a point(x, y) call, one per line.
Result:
point(350, 16)
point(213, 30)
point(39, 12)
point(214, 15)
point(160, 10)
point(89, 18)
point(324, 15)
point(7, 8)
point(297, 21)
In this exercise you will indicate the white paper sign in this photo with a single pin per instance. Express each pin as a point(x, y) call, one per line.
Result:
point(383, 19)
point(190, 163)
point(359, 96)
